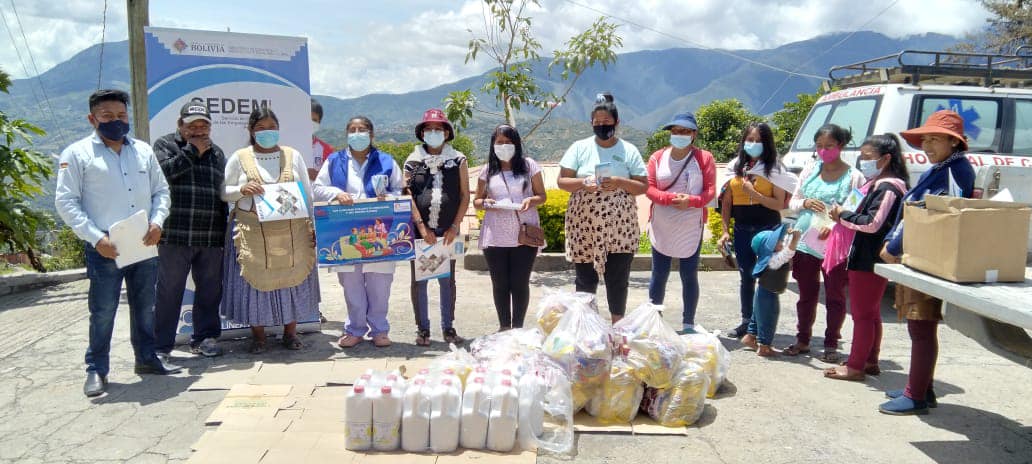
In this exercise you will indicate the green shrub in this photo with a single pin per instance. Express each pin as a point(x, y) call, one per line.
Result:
point(716, 229)
point(66, 251)
point(644, 244)
point(553, 219)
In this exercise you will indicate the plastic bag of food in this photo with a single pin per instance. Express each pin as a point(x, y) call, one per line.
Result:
point(655, 349)
point(620, 397)
point(458, 360)
point(684, 402)
point(556, 425)
point(705, 348)
point(554, 304)
point(507, 349)
point(581, 344)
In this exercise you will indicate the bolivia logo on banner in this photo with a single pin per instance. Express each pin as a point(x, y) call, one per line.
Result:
point(232, 75)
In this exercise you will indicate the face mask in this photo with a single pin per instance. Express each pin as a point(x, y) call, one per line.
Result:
point(433, 138)
point(115, 129)
point(869, 168)
point(267, 138)
point(505, 152)
point(753, 149)
point(315, 127)
point(604, 131)
point(829, 155)
point(358, 141)
point(680, 141)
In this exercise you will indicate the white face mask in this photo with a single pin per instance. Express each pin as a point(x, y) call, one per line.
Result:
point(315, 127)
point(869, 168)
point(505, 152)
point(433, 138)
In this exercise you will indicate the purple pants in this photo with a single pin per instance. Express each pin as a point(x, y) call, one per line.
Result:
point(806, 270)
point(367, 295)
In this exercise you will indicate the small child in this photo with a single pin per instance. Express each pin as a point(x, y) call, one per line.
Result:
point(771, 270)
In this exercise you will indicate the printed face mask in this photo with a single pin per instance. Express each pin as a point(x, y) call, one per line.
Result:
point(829, 155)
point(753, 149)
point(505, 151)
point(267, 138)
point(433, 138)
point(604, 131)
point(680, 141)
point(358, 141)
point(116, 129)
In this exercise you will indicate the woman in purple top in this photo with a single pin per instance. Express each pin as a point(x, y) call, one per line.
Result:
point(510, 189)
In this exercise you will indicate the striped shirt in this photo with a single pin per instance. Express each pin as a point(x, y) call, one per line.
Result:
point(197, 216)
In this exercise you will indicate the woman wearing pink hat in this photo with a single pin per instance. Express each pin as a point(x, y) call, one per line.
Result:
point(436, 176)
point(942, 139)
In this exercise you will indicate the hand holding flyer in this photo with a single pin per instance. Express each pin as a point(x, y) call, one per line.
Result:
point(281, 201)
point(432, 260)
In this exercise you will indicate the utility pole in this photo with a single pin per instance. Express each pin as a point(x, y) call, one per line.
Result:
point(139, 16)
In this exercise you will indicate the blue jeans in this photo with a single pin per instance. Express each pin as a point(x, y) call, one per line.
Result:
point(764, 316)
point(746, 260)
point(105, 289)
point(689, 271)
point(421, 302)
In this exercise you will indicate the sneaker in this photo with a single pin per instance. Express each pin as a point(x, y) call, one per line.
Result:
point(904, 406)
point(450, 336)
point(738, 332)
point(929, 397)
point(207, 347)
point(687, 331)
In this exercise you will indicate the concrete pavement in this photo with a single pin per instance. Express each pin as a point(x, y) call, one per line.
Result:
point(769, 411)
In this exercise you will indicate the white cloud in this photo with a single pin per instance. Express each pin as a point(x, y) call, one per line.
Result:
point(428, 48)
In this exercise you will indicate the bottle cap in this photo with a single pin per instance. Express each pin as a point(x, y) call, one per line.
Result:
point(507, 383)
point(478, 380)
point(386, 390)
point(446, 382)
point(359, 388)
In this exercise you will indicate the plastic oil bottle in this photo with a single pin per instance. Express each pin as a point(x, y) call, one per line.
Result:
point(476, 409)
point(501, 430)
point(415, 418)
point(446, 406)
point(387, 410)
point(359, 420)
point(532, 413)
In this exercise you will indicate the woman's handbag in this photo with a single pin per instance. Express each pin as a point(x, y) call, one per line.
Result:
point(530, 235)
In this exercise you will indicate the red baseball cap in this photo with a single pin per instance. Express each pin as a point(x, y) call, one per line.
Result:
point(434, 115)
point(940, 122)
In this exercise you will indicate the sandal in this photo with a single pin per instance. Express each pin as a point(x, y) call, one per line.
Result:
point(750, 342)
point(292, 343)
point(348, 341)
point(423, 337)
point(869, 369)
point(831, 356)
point(795, 349)
point(766, 351)
point(451, 336)
point(833, 373)
point(257, 347)
point(381, 341)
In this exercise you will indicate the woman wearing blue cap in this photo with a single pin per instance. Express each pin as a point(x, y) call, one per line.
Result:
point(773, 261)
point(682, 180)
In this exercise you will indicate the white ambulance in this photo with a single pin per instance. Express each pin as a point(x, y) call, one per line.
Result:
point(897, 92)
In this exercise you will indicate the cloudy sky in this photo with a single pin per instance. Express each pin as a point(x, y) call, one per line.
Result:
point(396, 46)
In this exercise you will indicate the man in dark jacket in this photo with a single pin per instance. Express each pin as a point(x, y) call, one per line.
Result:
point(194, 233)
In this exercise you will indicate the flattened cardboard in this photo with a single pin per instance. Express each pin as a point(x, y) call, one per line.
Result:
point(644, 425)
point(585, 423)
point(253, 407)
point(964, 240)
point(487, 457)
point(331, 391)
point(224, 377)
point(394, 458)
point(259, 390)
point(408, 367)
point(324, 425)
point(237, 440)
point(216, 455)
point(260, 424)
point(311, 373)
point(346, 370)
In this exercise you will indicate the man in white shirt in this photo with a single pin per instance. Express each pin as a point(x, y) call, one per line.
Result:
point(102, 179)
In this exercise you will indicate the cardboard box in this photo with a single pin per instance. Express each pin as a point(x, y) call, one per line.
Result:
point(967, 240)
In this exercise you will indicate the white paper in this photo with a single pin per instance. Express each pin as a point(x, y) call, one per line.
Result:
point(1003, 195)
point(506, 204)
point(812, 240)
point(281, 201)
point(954, 189)
point(432, 261)
point(127, 236)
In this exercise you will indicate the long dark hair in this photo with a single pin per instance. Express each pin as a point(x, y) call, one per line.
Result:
point(257, 115)
point(770, 150)
point(517, 163)
point(842, 136)
point(887, 144)
point(609, 107)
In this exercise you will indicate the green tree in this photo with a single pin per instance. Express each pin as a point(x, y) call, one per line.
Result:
point(720, 126)
point(790, 118)
point(657, 140)
point(400, 151)
point(22, 173)
point(509, 43)
point(1008, 29)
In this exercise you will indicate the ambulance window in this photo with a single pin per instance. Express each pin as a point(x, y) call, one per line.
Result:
point(855, 115)
point(981, 119)
point(1022, 127)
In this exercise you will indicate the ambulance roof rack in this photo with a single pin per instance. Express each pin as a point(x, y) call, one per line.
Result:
point(956, 68)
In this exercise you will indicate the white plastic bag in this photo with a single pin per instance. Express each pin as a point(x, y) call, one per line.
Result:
point(705, 348)
point(554, 304)
point(656, 350)
point(618, 401)
point(581, 343)
point(684, 402)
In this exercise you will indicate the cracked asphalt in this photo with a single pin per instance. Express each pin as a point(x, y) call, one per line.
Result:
point(770, 411)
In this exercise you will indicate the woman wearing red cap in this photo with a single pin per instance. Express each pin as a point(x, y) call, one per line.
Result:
point(436, 176)
point(942, 139)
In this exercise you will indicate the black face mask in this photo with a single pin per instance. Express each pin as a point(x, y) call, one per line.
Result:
point(604, 131)
point(115, 129)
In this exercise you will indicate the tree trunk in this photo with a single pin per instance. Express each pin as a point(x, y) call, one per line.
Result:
point(34, 260)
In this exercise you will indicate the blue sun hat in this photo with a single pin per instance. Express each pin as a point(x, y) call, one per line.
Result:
point(685, 119)
point(763, 245)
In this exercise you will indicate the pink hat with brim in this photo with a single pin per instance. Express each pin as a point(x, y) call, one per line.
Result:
point(940, 122)
point(434, 115)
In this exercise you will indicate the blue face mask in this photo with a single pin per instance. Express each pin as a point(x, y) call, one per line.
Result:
point(267, 138)
point(115, 129)
point(680, 141)
point(433, 138)
point(358, 141)
point(869, 168)
point(753, 149)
